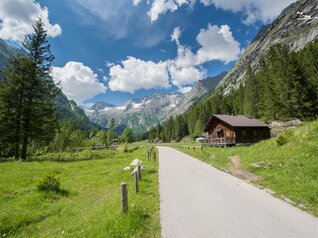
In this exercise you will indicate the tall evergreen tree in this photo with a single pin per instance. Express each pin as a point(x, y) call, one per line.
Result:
point(128, 135)
point(251, 95)
point(27, 79)
point(111, 135)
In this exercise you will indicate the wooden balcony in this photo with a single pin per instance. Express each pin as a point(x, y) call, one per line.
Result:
point(221, 142)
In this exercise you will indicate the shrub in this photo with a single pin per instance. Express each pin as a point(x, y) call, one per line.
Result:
point(126, 148)
point(284, 138)
point(154, 154)
point(86, 154)
point(49, 183)
point(281, 140)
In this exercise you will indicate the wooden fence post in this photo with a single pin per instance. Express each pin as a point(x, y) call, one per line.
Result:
point(136, 182)
point(147, 155)
point(124, 197)
point(154, 155)
point(139, 171)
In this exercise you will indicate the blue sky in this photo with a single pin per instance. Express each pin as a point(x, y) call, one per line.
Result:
point(116, 50)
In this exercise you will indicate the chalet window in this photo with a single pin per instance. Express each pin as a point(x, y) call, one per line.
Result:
point(243, 132)
point(220, 133)
point(254, 132)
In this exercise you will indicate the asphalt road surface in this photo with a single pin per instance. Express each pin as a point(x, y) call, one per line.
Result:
point(197, 200)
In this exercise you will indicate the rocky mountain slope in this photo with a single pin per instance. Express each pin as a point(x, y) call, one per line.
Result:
point(138, 114)
point(197, 92)
point(296, 26)
point(5, 52)
point(142, 114)
point(66, 109)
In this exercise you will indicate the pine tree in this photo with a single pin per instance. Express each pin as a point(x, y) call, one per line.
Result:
point(251, 95)
point(158, 131)
point(128, 135)
point(27, 79)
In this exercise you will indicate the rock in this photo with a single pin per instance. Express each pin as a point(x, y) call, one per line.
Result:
point(261, 164)
point(126, 168)
point(269, 191)
point(186, 140)
point(286, 124)
point(278, 127)
point(135, 162)
point(289, 201)
point(302, 206)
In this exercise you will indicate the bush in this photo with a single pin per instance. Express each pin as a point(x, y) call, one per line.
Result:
point(284, 138)
point(281, 140)
point(86, 154)
point(49, 183)
point(126, 150)
point(154, 154)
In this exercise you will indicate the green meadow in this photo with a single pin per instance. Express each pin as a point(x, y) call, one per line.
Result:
point(88, 201)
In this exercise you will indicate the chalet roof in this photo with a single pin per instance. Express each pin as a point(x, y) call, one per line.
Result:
point(239, 121)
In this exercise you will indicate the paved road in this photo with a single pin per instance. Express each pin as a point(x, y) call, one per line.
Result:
point(200, 201)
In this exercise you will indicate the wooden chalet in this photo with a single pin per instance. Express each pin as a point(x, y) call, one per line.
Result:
point(229, 130)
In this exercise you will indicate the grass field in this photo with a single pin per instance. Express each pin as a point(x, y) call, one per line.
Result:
point(88, 204)
point(288, 164)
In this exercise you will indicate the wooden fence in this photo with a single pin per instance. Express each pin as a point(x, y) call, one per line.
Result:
point(94, 148)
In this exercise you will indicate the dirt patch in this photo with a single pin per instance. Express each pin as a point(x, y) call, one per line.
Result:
point(237, 170)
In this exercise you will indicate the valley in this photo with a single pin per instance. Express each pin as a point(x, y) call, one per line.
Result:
point(217, 135)
point(142, 114)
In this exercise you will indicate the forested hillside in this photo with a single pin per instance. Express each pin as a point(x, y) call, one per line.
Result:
point(66, 109)
point(295, 27)
point(285, 86)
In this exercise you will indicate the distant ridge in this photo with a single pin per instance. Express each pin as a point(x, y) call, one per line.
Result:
point(142, 114)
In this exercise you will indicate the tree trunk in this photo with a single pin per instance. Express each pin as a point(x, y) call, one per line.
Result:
point(18, 128)
point(25, 146)
point(16, 152)
point(25, 141)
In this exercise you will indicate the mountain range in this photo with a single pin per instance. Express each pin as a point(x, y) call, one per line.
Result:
point(296, 26)
point(142, 114)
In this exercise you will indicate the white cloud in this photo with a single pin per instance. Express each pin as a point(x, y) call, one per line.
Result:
point(119, 19)
point(111, 18)
point(263, 10)
point(253, 10)
point(17, 17)
point(176, 35)
point(217, 43)
point(160, 7)
point(78, 81)
point(134, 74)
point(185, 76)
point(109, 64)
point(136, 2)
point(185, 89)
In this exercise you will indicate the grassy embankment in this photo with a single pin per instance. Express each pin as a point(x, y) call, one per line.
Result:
point(288, 165)
point(88, 204)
